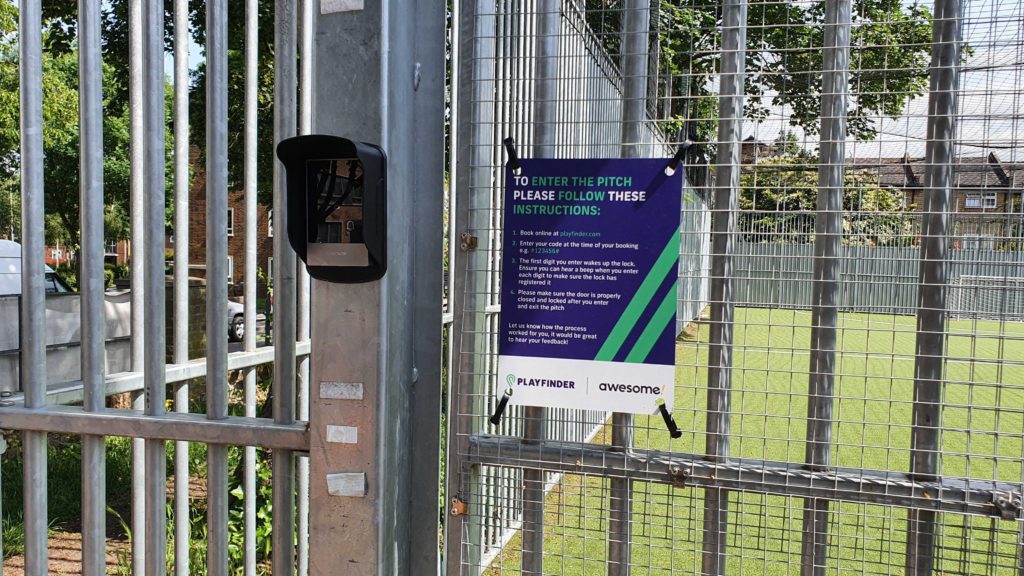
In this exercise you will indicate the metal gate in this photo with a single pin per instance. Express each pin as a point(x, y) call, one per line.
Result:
point(158, 379)
point(849, 374)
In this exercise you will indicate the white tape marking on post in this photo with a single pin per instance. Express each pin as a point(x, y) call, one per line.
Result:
point(332, 6)
point(341, 390)
point(347, 484)
point(342, 434)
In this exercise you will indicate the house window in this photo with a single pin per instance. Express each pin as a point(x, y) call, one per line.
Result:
point(231, 221)
point(270, 270)
point(270, 223)
point(231, 269)
point(112, 247)
point(329, 232)
point(986, 200)
point(978, 242)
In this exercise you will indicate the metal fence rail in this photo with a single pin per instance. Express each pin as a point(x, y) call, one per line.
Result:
point(848, 374)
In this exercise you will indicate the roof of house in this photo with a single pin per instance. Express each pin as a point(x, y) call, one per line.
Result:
point(972, 172)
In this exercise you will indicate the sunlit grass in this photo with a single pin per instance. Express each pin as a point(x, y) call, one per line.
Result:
point(983, 427)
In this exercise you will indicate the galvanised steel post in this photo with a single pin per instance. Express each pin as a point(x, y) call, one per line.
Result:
point(251, 255)
point(472, 135)
point(33, 293)
point(91, 283)
point(545, 119)
point(723, 225)
point(375, 362)
point(929, 361)
point(155, 337)
point(182, 521)
point(636, 21)
point(217, 280)
point(285, 81)
point(137, 202)
point(828, 233)
point(420, 125)
point(303, 281)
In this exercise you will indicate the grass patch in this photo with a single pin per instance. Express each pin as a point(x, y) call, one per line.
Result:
point(983, 428)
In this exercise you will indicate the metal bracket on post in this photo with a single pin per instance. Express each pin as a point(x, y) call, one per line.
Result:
point(1007, 504)
point(458, 507)
point(468, 242)
point(678, 474)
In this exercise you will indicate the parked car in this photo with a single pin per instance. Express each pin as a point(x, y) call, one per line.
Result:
point(10, 272)
point(236, 321)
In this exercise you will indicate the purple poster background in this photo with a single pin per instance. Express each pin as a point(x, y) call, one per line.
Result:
point(590, 260)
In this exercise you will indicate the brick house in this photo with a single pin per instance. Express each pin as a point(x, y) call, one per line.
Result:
point(986, 194)
point(235, 233)
point(117, 252)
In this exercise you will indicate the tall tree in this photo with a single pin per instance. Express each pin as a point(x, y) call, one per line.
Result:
point(890, 47)
point(236, 93)
point(60, 138)
point(778, 199)
point(60, 16)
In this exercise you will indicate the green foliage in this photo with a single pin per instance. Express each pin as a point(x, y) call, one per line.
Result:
point(64, 472)
point(60, 16)
point(69, 273)
point(61, 133)
point(236, 528)
point(778, 200)
point(236, 93)
point(13, 534)
point(890, 47)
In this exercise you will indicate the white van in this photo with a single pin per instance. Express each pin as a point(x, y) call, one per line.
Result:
point(10, 272)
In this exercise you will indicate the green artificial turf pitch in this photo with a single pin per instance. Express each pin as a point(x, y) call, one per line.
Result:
point(982, 421)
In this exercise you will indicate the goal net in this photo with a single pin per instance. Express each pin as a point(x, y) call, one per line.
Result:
point(988, 298)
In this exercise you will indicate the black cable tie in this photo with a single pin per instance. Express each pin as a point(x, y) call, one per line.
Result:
point(670, 422)
point(680, 152)
point(496, 417)
point(513, 156)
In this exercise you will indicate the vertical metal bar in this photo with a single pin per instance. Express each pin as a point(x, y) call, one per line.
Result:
point(472, 133)
point(91, 283)
point(182, 524)
point(155, 337)
point(251, 255)
point(425, 177)
point(33, 293)
point(3, 450)
point(138, 280)
point(825, 306)
point(636, 22)
point(929, 360)
point(285, 81)
point(545, 112)
point(302, 304)
point(217, 280)
point(727, 191)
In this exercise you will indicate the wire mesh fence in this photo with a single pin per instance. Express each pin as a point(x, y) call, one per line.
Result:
point(849, 380)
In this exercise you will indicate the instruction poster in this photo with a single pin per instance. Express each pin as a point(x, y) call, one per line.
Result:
point(588, 285)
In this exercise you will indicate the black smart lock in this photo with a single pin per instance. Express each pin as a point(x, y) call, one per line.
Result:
point(337, 206)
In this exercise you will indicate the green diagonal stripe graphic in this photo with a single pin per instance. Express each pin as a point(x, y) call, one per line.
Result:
point(655, 328)
point(665, 263)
